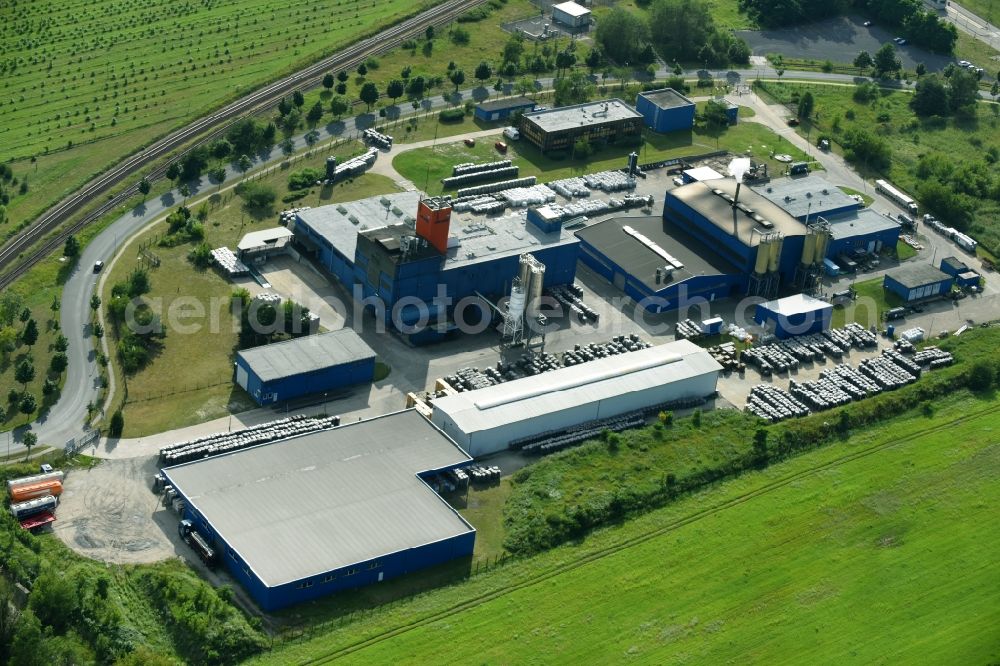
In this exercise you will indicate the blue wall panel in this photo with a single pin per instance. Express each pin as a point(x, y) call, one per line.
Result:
point(327, 379)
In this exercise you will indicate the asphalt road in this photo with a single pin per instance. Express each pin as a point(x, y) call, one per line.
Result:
point(65, 420)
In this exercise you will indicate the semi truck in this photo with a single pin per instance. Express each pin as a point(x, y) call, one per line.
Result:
point(197, 542)
point(35, 490)
point(900, 198)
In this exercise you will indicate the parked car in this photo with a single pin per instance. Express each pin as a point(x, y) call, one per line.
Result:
point(500, 146)
point(678, 181)
point(867, 24)
point(98, 266)
point(899, 40)
point(964, 63)
point(470, 142)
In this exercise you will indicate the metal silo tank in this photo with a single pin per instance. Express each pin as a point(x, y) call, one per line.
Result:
point(809, 249)
point(760, 267)
point(515, 306)
point(524, 271)
point(822, 242)
point(537, 282)
point(774, 255)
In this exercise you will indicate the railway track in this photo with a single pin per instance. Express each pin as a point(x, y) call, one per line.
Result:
point(207, 129)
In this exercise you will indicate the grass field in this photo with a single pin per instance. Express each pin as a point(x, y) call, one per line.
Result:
point(879, 548)
point(189, 381)
point(88, 84)
point(429, 166)
point(964, 143)
point(984, 9)
point(871, 303)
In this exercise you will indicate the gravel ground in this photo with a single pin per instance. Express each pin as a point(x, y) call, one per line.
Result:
point(110, 513)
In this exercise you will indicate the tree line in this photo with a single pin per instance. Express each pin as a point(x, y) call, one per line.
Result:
point(675, 30)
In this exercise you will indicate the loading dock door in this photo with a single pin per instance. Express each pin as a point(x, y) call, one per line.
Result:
point(241, 377)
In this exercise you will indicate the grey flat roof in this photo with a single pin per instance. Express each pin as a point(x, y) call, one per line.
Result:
point(719, 211)
point(796, 304)
point(509, 103)
point(641, 261)
point(306, 354)
point(327, 500)
point(499, 238)
point(860, 223)
point(666, 98)
point(567, 388)
point(810, 194)
point(334, 224)
point(588, 113)
point(914, 275)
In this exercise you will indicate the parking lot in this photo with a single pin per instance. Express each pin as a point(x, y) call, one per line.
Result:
point(838, 40)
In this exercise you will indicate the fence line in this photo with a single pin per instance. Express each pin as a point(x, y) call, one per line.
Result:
point(290, 634)
point(150, 395)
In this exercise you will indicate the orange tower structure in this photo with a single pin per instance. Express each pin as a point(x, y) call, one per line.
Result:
point(434, 221)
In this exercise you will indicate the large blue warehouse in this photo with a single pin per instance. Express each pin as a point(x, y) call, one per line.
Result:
point(917, 281)
point(311, 364)
point(302, 518)
point(665, 110)
point(656, 263)
point(798, 314)
point(407, 267)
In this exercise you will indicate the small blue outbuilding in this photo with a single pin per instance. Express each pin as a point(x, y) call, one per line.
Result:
point(917, 281)
point(665, 110)
point(293, 368)
point(798, 314)
point(502, 109)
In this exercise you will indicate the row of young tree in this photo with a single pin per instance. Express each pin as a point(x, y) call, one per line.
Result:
point(674, 30)
point(19, 328)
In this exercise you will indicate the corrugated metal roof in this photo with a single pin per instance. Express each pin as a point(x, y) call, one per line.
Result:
point(796, 304)
point(860, 223)
point(566, 388)
point(307, 354)
point(327, 500)
point(342, 232)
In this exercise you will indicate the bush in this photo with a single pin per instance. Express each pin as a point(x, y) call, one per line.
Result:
point(201, 255)
point(451, 115)
point(256, 195)
point(306, 178)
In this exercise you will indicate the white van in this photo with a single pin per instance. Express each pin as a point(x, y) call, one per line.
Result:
point(511, 133)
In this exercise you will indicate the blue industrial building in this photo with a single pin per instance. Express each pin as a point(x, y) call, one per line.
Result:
point(798, 314)
point(665, 110)
point(918, 281)
point(631, 253)
point(502, 109)
point(416, 273)
point(308, 516)
point(964, 276)
point(312, 364)
point(743, 228)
